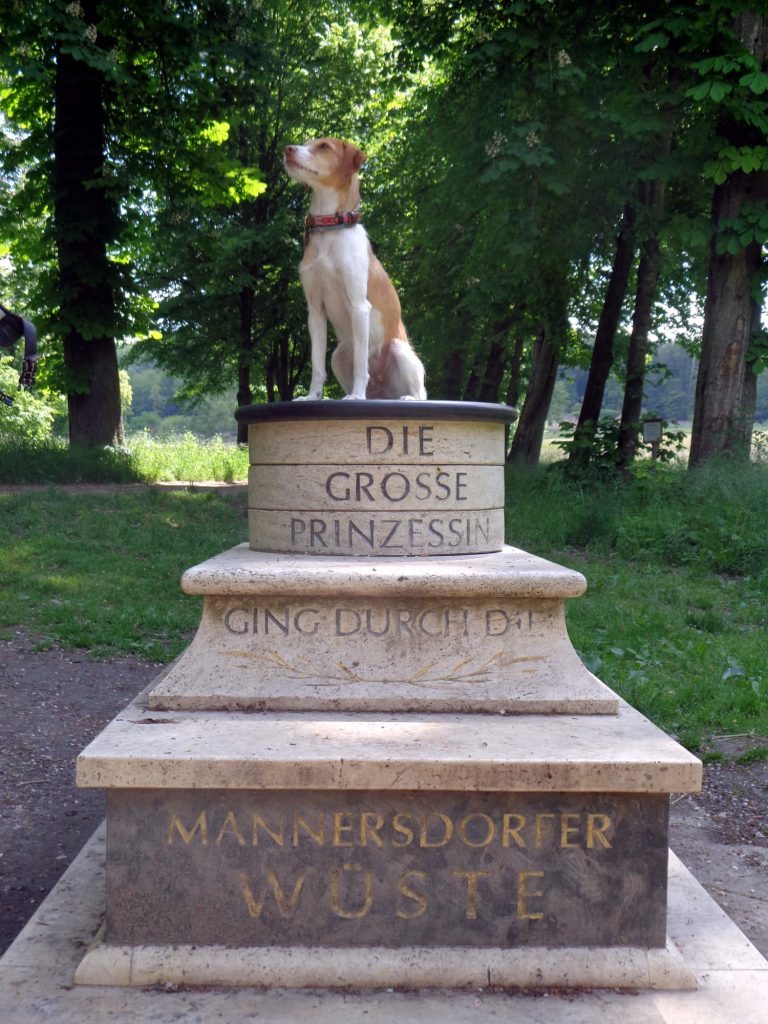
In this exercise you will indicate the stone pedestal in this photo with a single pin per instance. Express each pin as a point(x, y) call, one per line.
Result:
point(389, 762)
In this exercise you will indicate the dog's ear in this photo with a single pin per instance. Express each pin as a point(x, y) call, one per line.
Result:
point(352, 160)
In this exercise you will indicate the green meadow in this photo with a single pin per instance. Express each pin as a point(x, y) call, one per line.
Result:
point(674, 617)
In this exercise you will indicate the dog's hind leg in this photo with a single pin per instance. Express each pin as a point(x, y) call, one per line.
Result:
point(407, 373)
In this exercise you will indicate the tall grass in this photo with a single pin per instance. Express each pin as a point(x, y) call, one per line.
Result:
point(182, 457)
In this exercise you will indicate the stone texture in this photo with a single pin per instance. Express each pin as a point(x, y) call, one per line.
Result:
point(340, 487)
point(377, 487)
point(354, 869)
point(460, 634)
point(37, 972)
point(623, 753)
point(378, 534)
point(407, 442)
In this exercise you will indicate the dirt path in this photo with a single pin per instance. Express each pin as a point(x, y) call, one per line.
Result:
point(52, 703)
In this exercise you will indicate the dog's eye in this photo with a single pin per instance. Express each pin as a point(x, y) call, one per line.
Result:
point(324, 145)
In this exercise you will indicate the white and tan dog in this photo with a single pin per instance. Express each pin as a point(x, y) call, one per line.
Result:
point(345, 283)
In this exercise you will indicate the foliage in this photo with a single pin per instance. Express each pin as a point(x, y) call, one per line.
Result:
point(503, 141)
point(603, 455)
point(31, 414)
point(184, 458)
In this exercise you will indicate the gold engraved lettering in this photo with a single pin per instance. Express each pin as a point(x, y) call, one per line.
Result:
point(230, 828)
point(335, 894)
point(200, 825)
point(424, 821)
point(277, 837)
point(405, 890)
point(300, 823)
point(508, 832)
point(341, 824)
point(287, 905)
point(540, 826)
point(402, 830)
point(367, 829)
point(595, 832)
point(523, 894)
point(566, 830)
point(471, 877)
point(488, 824)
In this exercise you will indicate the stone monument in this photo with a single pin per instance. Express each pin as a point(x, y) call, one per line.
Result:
point(380, 762)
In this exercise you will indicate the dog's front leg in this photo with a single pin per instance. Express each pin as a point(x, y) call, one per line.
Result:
point(360, 317)
point(318, 336)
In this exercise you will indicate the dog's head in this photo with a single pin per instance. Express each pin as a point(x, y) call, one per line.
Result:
point(329, 162)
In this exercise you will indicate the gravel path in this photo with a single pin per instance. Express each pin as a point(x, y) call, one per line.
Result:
point(52, 703)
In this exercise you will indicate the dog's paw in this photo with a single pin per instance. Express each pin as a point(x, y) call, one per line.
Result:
point(311, 397)
point(353, 398)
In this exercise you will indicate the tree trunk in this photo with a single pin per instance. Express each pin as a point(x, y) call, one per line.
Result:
point(529, 436)
point(472, 388)
point(84, 223)
point(454, 375)
point(652, 197)
point(495, 361)
point(724, 408)
point(602, 352)
point(513, 386)
point(245, 358)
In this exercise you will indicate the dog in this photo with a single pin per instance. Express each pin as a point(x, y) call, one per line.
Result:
point(345, 284)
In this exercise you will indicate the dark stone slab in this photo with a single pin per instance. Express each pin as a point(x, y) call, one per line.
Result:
point(386, 869)
point(374, 409)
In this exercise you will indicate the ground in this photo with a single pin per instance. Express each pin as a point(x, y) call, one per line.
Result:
point(54, 702)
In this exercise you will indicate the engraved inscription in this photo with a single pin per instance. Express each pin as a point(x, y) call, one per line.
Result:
point(393, 622)
point(339, 868)
point(352, 890)
point(439, 533)
point(405, 440)
point(361, 485)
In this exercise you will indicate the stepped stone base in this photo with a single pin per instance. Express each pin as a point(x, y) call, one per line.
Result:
point(396, 840)
point(479, 633)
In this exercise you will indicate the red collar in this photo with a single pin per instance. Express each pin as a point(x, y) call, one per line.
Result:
point(335, 220)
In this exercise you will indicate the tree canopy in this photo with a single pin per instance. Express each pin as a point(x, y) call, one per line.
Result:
point(547, 187)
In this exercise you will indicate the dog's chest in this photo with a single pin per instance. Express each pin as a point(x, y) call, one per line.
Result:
point(335, 264)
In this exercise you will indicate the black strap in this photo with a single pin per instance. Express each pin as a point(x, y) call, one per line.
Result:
point(13, 327)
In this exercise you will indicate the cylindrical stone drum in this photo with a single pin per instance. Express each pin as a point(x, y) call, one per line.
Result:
point(376, 478)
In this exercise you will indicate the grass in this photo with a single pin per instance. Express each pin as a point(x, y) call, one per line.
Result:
point(144, 459)
point(102, 571)
point(674, 618)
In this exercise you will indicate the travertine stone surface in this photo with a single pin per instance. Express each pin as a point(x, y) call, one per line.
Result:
point(375, 443)
point(387, 534)
point(623, 753)
point(388, 479)
point(339, 487)
point(356, 869)
point(463, 634)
